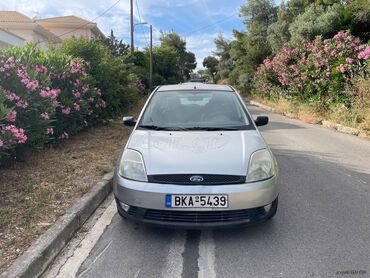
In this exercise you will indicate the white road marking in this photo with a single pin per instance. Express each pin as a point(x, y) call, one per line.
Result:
point(174, 262)
point(70, 268)
point(206, 261)
point(96, 258)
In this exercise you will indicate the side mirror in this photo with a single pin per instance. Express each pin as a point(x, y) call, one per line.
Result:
point(129, 121)
point(261, 120)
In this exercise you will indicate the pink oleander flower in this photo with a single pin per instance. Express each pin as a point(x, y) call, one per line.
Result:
point(64, 135)
point(349, 60)
point(89, 112)
point(53, 93)
point(102, 104)
point(85, 88)
point(11, 116)
point(10, 63)
point(77, 95)
point(32, 85)
point(44, 93)
point(1, 143)
point(365, 54)
point(11, 96)
point(66, 110)
point(50, 131)
point(41, 69)
point(341, 68)
point(17, 132)
point(22, 104)
point(22, 74)
point(98, 92)
point(55, 103)
point(45, 116)
point(340, 35)
point(76, 67)
point(304, 78)
point(76, 106)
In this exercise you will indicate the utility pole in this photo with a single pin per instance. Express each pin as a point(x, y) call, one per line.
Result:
point(151, 59)
point(132, 27)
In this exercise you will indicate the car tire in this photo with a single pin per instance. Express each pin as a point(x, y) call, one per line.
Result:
point(273, 209)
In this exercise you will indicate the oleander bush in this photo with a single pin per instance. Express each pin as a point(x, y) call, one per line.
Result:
point(43, 100)
point(315, 71)
point(109, 73)
point(48, 95)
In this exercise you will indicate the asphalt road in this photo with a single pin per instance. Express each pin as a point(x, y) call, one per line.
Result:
point(322, 227)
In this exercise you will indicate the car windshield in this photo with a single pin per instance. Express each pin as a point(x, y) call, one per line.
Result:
point(195, 110)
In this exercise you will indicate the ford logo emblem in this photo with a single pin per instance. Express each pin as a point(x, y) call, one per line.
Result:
point(196, 178)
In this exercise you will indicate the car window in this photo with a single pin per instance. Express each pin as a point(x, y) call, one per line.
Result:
point(195, 110)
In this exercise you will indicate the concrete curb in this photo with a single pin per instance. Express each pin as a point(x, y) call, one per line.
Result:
point(268, 108)
point(327, 124)
point(34, 261)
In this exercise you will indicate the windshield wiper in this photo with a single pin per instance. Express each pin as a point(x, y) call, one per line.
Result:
point(209, 128)
point(168, 128)
point(179, 128)
point(153, 127)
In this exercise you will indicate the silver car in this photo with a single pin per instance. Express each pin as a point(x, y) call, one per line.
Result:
point(195, 159)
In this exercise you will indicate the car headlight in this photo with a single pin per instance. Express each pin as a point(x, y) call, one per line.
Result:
point(132, 166)
point(261, 166)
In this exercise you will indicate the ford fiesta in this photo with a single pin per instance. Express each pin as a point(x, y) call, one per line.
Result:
point(196, 159)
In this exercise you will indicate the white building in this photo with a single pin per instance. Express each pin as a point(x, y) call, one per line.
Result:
point(17, 29)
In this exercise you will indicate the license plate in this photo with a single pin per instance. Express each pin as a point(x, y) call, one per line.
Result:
point(196, 201)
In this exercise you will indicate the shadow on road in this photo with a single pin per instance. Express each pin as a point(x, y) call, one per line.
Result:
point(279, 125)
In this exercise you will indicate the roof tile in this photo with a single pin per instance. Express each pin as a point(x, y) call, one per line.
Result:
point(13, 16)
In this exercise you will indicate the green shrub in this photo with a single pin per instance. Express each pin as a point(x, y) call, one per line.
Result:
point(109, 74)
point(315, 70)
point(44, 97)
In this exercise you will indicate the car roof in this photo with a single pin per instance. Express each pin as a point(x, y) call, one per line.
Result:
point(195, 86)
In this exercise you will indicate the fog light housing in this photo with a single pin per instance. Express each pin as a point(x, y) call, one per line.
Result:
point(267, 207)
point(124, 206)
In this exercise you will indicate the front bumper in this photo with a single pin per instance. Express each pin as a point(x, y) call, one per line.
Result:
point(198, 219)
point(147, 203)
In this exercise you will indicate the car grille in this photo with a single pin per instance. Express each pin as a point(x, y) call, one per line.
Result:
point(133, 211)
point(204, 216)
point(208, 179)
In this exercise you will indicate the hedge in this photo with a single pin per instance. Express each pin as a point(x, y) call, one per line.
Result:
point(316, 70)
point(47, 96)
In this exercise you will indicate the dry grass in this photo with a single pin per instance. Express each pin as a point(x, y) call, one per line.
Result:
point(309, 114)
point(357, 117)
point(282, 106)
point(36, 192)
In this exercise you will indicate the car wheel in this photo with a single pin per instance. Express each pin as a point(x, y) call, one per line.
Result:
point(273, 209)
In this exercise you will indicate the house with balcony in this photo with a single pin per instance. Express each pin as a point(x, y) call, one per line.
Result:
point(71, 26)
point(17, 29)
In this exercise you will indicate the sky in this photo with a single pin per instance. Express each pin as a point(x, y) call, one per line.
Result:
point(197, 21)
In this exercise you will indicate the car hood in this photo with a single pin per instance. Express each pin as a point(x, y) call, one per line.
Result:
point(203, 152)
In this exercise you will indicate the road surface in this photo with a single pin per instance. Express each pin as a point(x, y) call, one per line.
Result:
point(322, 227)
